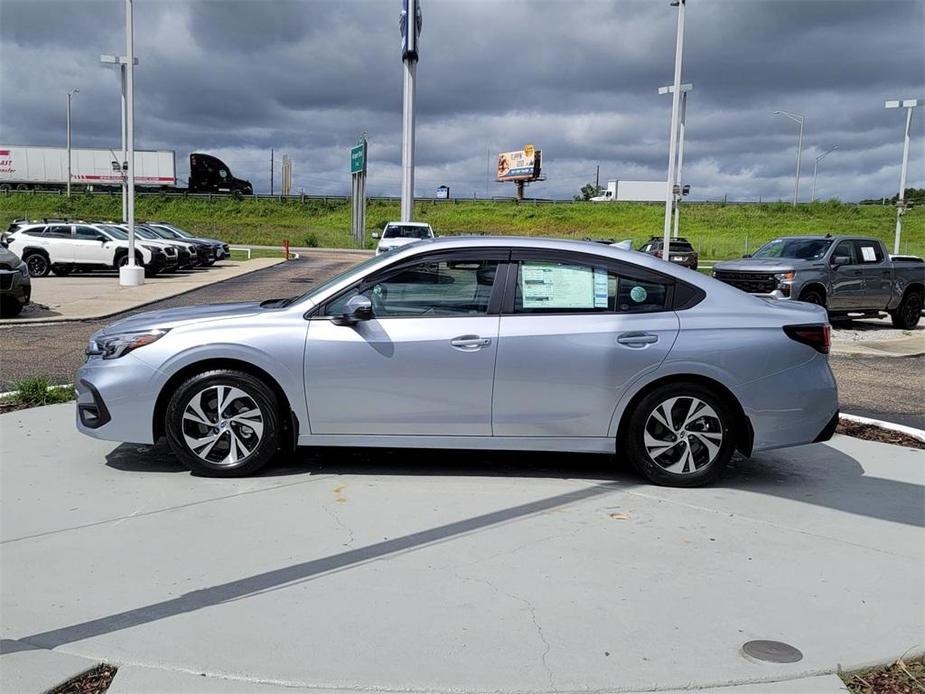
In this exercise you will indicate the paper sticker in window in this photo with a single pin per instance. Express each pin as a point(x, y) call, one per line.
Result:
point(549, 285)
point(870, 255)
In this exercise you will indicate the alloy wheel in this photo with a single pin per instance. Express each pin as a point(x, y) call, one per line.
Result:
point(222, 425)
point(683, 434)
point(38, 265)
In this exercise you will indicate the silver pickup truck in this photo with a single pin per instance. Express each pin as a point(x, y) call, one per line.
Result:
point(851, 276)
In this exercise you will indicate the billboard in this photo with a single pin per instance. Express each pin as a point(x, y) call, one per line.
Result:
point(522, 165)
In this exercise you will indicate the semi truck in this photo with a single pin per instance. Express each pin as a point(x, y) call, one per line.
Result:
point(633, 191)
point(45, 168)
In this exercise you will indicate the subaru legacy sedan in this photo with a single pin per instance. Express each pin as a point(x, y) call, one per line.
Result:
point(474, 343)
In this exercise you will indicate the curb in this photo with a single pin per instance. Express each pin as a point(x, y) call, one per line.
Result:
point(14, 322)
point(918, 434)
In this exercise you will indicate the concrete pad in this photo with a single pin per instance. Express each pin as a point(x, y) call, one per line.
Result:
point(465, 571)
point(131, 679)
point(98, 294)
point(38, 670)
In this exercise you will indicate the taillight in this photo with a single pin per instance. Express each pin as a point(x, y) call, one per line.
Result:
point(658, 254)
point(819, 337)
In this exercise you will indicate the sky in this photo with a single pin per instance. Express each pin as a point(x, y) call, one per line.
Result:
point(578, 79)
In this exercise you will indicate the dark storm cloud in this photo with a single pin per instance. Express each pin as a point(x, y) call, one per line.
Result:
point(578, 78)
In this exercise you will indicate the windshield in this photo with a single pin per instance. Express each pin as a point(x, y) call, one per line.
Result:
point(800, 249)
point(365, 267)
point(400, 231)
point(166, 232)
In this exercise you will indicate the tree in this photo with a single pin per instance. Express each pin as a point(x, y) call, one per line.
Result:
point(916, 195)
point(588, 191)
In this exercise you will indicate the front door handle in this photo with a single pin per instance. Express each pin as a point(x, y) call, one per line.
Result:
point(637, 339)
point(470, 343)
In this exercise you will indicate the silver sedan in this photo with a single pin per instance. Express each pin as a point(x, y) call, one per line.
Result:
point(477, 343)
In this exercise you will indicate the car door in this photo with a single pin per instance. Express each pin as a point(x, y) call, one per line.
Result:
point(60, 243)
point(847, 279)
point(876, 272)
point(90, 246)
point(575, 330)
point(423, 364)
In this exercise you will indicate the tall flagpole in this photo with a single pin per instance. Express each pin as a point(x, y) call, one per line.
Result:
point(410, 23)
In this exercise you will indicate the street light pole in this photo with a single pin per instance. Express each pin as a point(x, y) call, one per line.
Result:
point(685, 88)
point(121, 62)
point(673, 137)
point(797, 118)
point(410, 22)
point(822, 156)
point(130, 274)
point(73, 91)
point(907, 104)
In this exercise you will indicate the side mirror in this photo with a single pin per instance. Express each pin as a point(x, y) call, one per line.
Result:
point(103, 239)
point(840, 260)
point(358, 308)
point(747, 255)
point(375, 235)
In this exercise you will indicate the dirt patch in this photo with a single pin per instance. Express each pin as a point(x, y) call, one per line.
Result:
point(96, 681)
point(873, 433)
point(902, 677)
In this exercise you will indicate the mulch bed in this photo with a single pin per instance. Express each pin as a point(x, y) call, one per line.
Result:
point(902, 677)
point(96, 681)
point(872, 433)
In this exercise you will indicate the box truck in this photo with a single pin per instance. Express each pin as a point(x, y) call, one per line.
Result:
point(633, 191)
point(45, 168)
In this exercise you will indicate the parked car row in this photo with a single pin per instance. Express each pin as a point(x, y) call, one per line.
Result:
point(62, 246)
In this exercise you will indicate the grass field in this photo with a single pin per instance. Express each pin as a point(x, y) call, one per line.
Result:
point(717, 230)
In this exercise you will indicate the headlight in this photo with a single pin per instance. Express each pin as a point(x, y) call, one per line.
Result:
point(120, 344)
point(23, 269)
point(784, 276)
point(154, 249)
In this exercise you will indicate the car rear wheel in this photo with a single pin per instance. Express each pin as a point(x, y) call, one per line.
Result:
point(909, 312)
point(680, 436)
point(38, 264)
point(223, 423)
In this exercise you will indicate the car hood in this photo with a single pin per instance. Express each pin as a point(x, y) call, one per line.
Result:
point(761, 265)
point(175, 317)
point(394, 243)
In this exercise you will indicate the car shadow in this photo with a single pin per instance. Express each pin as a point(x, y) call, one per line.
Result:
point(819, 474)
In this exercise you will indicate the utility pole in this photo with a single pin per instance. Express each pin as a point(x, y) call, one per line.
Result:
point(121, 62)
point(901, 206)
point(73, 91)
point(271, 171)
point(682, 128)
point(673, 137)
point(797, 118)
point(812, 197)
point(410, 23)
point(130, 274)
point(597, 180)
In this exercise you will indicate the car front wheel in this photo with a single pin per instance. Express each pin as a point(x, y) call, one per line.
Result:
point(223, 423)
point(680, 436)
point(38, 264)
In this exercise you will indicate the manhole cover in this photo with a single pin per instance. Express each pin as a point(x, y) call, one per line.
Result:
point(772, 651)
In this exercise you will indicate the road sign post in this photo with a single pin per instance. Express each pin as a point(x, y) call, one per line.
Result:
point(358, 191)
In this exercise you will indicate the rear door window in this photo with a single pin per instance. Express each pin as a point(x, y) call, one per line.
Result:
point(58, 231)
point(867, 252)
point(571, 287)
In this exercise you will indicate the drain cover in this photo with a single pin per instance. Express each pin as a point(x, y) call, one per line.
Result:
point(772, 651)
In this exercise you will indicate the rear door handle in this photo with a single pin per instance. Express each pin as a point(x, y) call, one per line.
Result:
point(470, 343)
point(637, 339)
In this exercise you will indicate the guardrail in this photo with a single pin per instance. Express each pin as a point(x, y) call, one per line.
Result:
point(305, 197)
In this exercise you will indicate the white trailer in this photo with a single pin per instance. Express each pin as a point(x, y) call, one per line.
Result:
point(633, 191)
point(26, 168)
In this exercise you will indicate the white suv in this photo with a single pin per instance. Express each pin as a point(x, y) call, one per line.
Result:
point(61, 247)
point(397, 234)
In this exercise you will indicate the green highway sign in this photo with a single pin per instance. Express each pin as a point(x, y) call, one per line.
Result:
point(358, 158)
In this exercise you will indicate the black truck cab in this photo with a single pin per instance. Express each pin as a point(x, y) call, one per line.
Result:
point(208, 174)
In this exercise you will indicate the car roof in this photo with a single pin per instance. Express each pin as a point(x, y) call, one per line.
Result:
point(408, 224)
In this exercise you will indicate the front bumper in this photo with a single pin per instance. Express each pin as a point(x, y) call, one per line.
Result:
point(14, 284)
point(116, 399)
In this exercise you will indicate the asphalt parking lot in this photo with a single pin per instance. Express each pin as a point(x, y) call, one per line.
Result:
point(883, 388)
point(436, 571)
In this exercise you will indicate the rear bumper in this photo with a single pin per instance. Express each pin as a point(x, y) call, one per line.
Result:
point(792, 408)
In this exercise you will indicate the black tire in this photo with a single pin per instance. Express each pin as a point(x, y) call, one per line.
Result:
point(37, 263)
point(218, 459)
point(150, 272)
point(697, 464)
point(9, 307)
point(813, 296)
point(62, 270)
point(909, 312)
